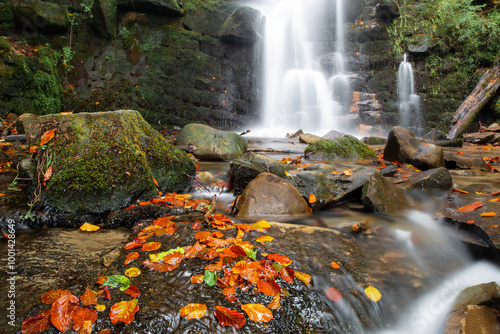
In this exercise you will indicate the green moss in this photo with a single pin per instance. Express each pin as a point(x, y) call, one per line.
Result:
point(4, 44)
point(346, 147)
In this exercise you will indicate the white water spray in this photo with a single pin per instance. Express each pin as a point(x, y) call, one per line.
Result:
point(409, 101)
point(305, 86)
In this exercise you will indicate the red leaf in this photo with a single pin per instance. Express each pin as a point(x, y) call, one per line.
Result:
point(105, 331)
point(60, 313)
point(37, 324)
point(132, 244)
point(269, 287)
point(333, 294)
point(470, 207)
point(133, 291)
point(131, 257)
point(287, 274)
point(279, 258)
point(80, 314)
point(124, 311)
point(229, 317)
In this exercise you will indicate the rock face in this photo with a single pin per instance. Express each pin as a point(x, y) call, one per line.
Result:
point(104, 161)
point(402, 146)
point(241, 27)
point(35, 16)
point(344, 148)
point(270, 195)
point(383, 196)
point(212, 144)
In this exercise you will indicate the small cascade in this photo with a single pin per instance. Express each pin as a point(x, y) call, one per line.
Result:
point(409, 101)
point(305, 86)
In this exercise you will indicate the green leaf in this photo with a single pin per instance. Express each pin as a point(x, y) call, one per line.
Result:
point(250, 253)
point(161, 255)
point(120, 281)
point(210, 278)
point(278, 266)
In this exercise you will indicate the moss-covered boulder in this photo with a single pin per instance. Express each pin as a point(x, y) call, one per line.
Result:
point(212, 144)
point(164, 7)
point(40, 16)
point(240, 27)
point(103, 161)
point(344, 148)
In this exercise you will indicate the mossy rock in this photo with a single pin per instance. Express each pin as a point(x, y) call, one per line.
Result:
point(344, 148)
point(4, 44)
point(105, 161)
point(40, 16)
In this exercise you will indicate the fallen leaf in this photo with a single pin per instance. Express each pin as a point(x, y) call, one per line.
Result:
point(269, 287)
point(51, 296)
point(288, 174)
point(335, 265)
point(100, 307)
point(470, 207)
point(488, 214)
point(150, 246)
point(130, 258)
point(373, 293)
point(156, 182)
point(459, 191)
point(229, 317)
point(193, 311)
point(306, 278)
point(460, 152)
point(133, 291)
point(89, 227)
point(275, 303)
point(89, 297)
point(124, 311)
point(2, 194)
point(495, 199)
point(195, 250)
point(496, 193)
point(287, 274)
point(210, 277)
point(80, 315)
point(47, 136)
point(279, 258)
point(60, 313)
point(197, 279)
point(37, 324)
point(470, 222)
point(312, 198)
point(257, 312)
point(132, 272)
point(333, 294)
point(348, 172)
point(120, 281)
point(262, 225)
point(132, 245)
point(264, 239)
point(160, 267)
point(48, 174)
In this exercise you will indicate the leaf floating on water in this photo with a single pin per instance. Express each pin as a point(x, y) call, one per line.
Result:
point(60, 313)
point(89, 227)
point(51, 296)
point(257, 312)
point(470, 207)
point(132, 272)
point(37, 324)
point(306, 278)
point(333, 294)
point(495, 199)
point(47, 136)
point(130, 258)
point(229, 317)
point(124, 311)
point(459, 191)
point(488, 214)
point(373, 293)
point(193, 311)
point(275, 303)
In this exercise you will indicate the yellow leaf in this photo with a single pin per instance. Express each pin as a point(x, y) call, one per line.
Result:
point(262, 225)
point(312, 198)
point(132, 272)
point(488, 214)
point(306, 278)
point(264, 239)
point(336, 172)
point(288, 174)
point(89, 227)
point(257, 312)
point(275, 303)
point(373, 293)
point(100, 307)
point(348, 172)
point(193, 311)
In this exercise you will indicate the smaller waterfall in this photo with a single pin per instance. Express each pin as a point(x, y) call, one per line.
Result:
point(409, 101)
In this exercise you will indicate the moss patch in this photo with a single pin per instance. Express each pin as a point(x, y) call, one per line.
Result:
point(347, 147)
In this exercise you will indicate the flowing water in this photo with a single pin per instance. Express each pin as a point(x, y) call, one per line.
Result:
point(409, 101)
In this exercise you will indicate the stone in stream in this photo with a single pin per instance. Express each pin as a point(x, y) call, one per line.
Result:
point(436, 179)
point(344, 148)
point(308, 138)
point(103, 161)
point(454, 161)
point(473, 319)
point(269, 195)
point(382, 196)
point(477, 294)
point(402, 146)
point(212, 144)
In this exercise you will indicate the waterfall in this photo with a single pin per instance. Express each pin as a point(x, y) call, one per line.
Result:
point(304, 81)
point(409, 101)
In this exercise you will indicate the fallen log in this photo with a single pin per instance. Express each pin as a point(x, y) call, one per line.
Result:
point(484, 91)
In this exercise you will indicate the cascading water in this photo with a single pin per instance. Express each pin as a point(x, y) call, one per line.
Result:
point(409, 102)
point(305, 86)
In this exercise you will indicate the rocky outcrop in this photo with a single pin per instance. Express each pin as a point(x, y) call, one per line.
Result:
point(344, 148)
point(164, 7)
point(382, 196)
point(104, 17)
point(40, 16)
point(269, 195)
point(212, 144)
point(103, 161)
point(402, 146)
point(241, 27)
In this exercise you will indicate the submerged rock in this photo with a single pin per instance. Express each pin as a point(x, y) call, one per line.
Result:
point(269, 195)
point(437, 179)
point(212, 144)
point(402, 146)
point(103, 161)
point(383, 196)
point(344, 148)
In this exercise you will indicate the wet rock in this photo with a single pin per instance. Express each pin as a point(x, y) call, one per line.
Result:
point(269, 195)
point(165, 7)
point(344, 148)
point(333, 134)
point(212, 144)
point(473, 319)
point(434, 134)
point(453, 161)
point(402, 146)
point(104, 161)
point(374, 140)
point(40, 16)
point(382, 196)
point(495, 127)
point(241, 28)
point(308, 138)
point(477, 294)
point(104, 17)
point(437, 179)
point(480, 137)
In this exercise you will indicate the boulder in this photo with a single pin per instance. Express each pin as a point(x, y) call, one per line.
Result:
point(453, 161)
point(40, 16)
point(437, 179)
point(308, 138)
point(240, 27)
point(333, 134)
point(104, 17)
point(402, 146)
point(269, 195)
point(165, 7)
point(212, 144)
point(344, 148)
point(473, 319)
point(104, 161)
point(383, 196)
point(477, 294)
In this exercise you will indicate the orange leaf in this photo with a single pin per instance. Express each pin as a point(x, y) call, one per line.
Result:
point(239, 267)
point(60, 313)
point(488, 214)
point(124, 311)
point(257, 312)
point(160, 267)
point(348, 172)
point(51, 296)
point(193, 311)
point(33, 149)
point(89, 227)
point(229, 317)
point(287, 274)
point(89, 297)
point(460, 152)
point(150, 246)
point(130, 258)
point(195, 250)
point(133, 244)
point(495, 199)
point(262, 225)
point(312, 198)
point(335, 265)
point(333, 294)
point(240, 234)
point(264, 239)
point(101, 279)
point(105, 331)
point(197, 279)
point(275, 303)
point(47, 136)
point(470, 222)
point(279, 258)
point(133, 291)
point(496, 193)
point(269, 287)
point(37, 324)
point(306, 278)
point(373, 293)
point(202, 235)
point(470, 207)
point(48, 174)
point(459, 191)
point(156, 182)
point(494, 226)
point(80, 315)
